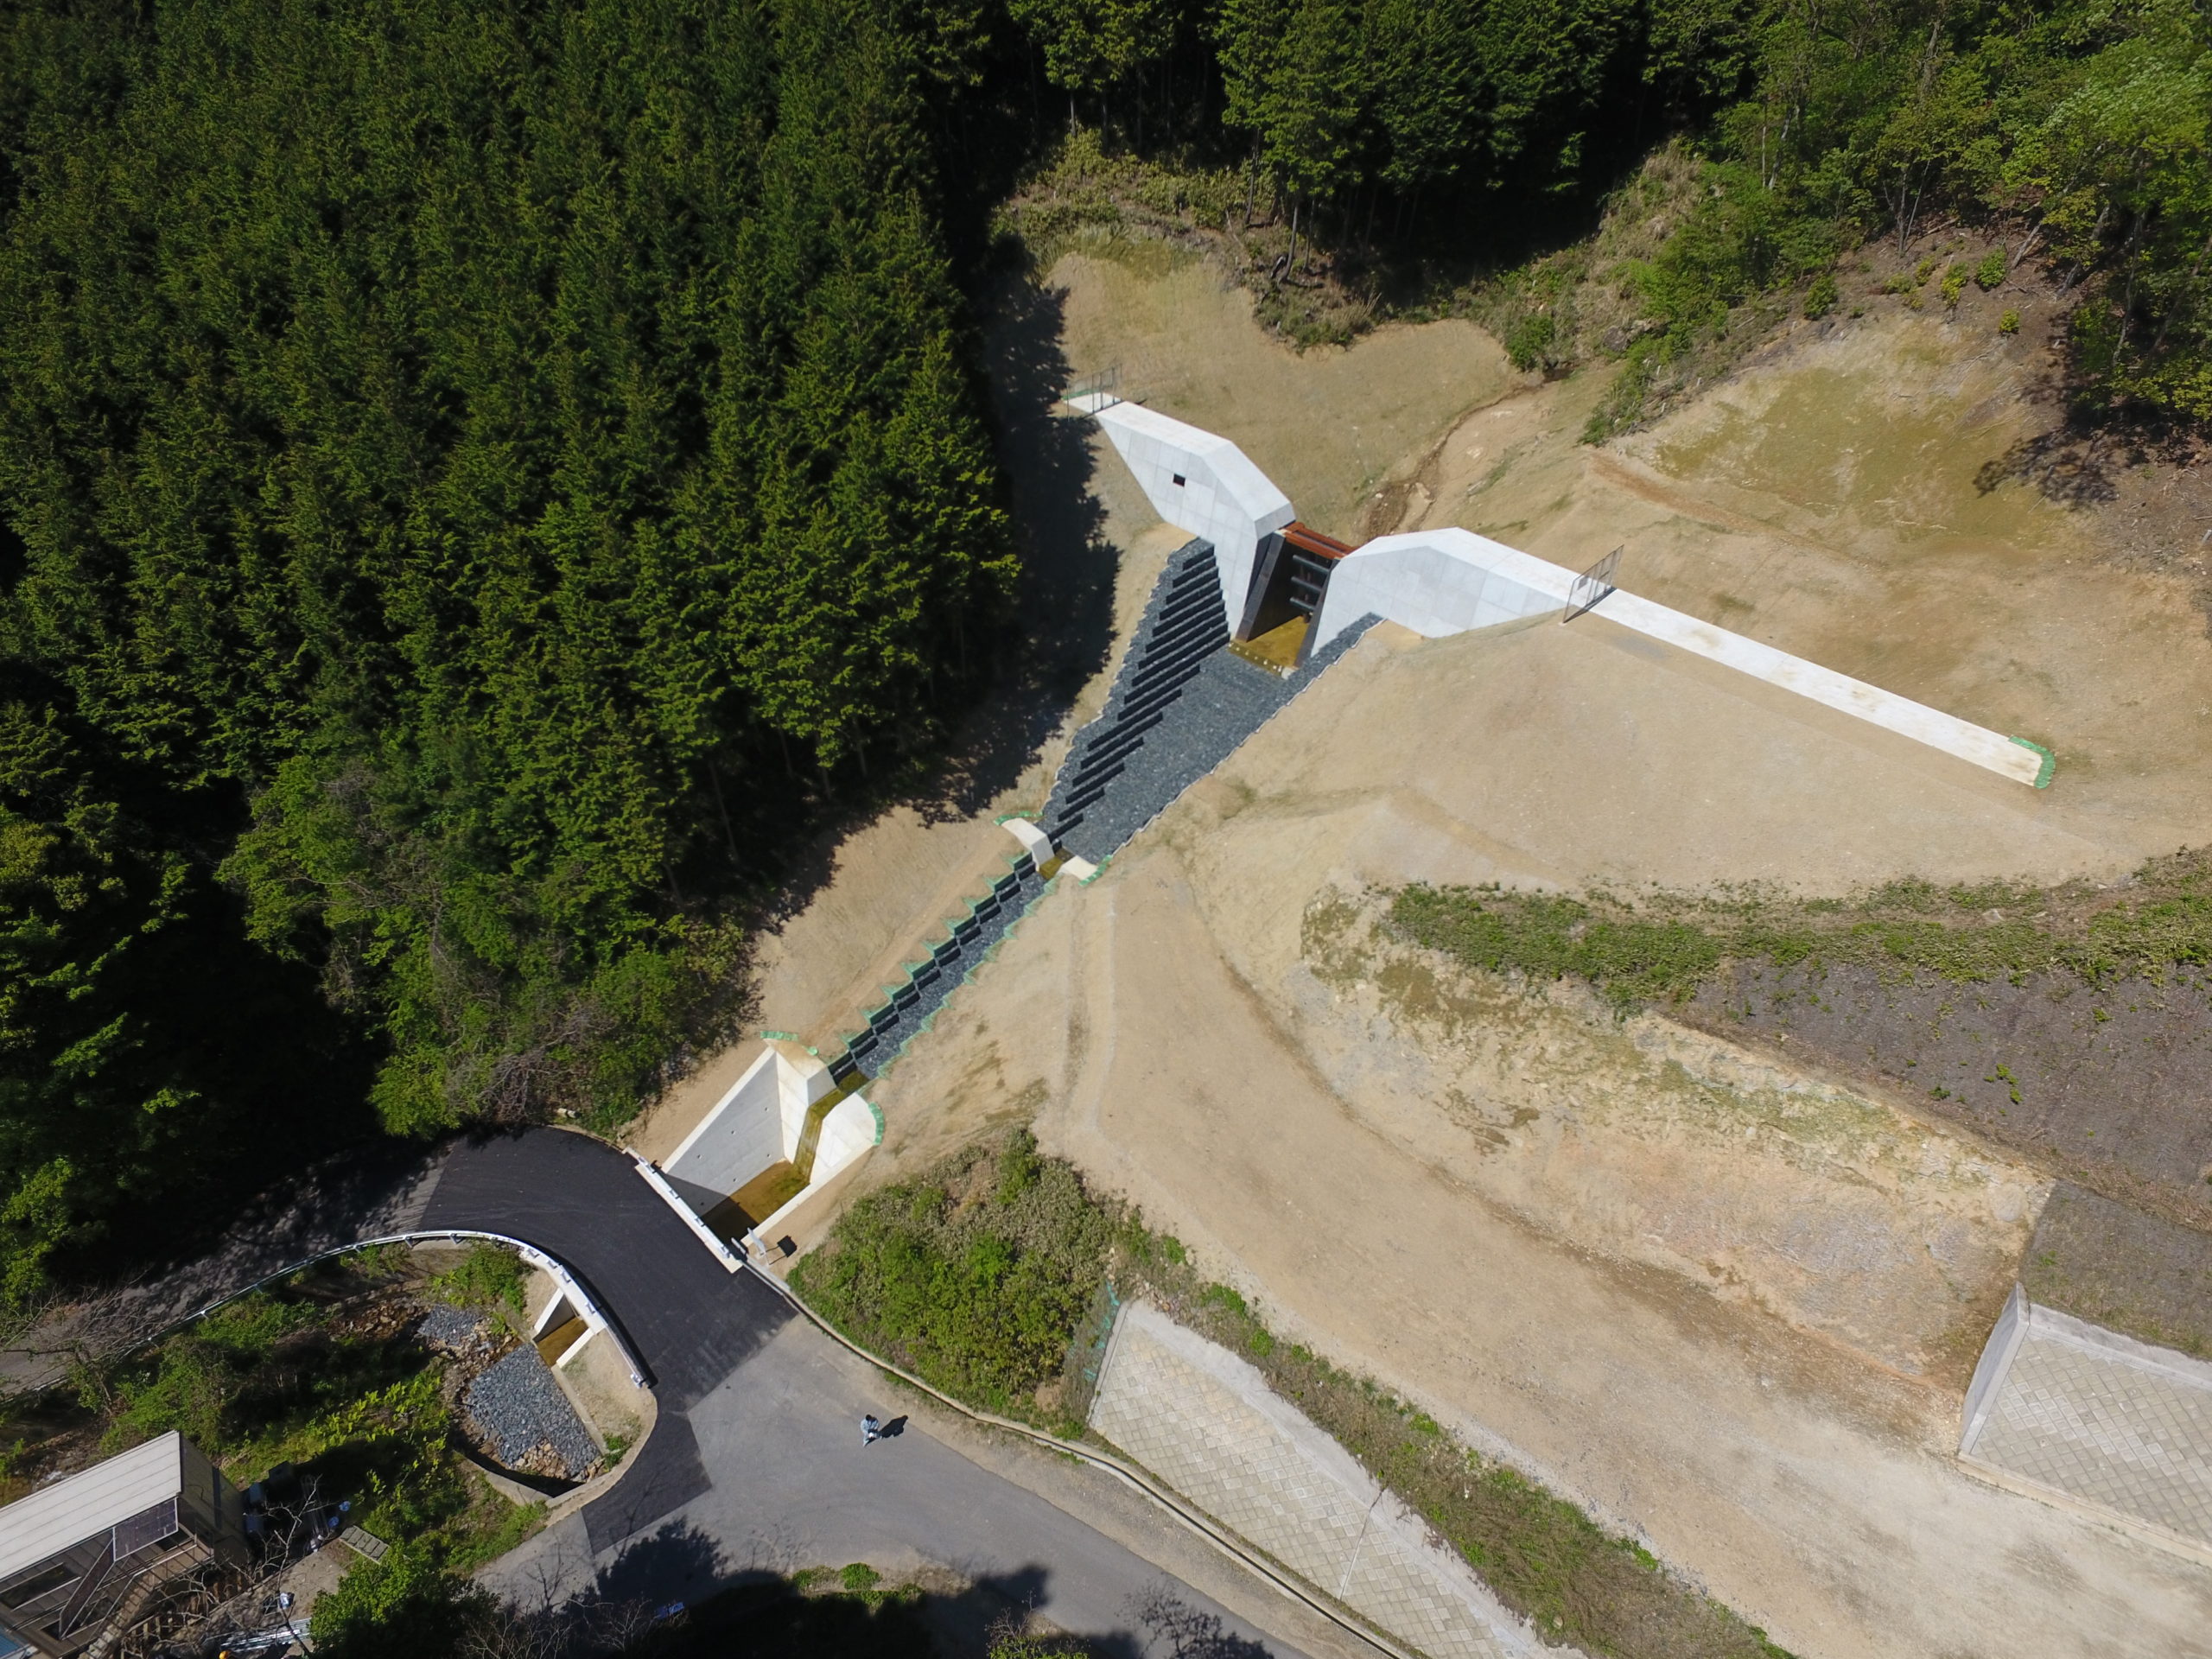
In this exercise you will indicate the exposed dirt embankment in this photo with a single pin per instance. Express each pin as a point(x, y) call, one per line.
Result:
point(1669, 1146)
point(2111, 1086)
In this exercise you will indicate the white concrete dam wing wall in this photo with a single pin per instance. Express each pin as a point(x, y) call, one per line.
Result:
point(756, 1124)
point(759, 1123)
point(1223, 497)
point(1206, 1422)
point(2090, 1418)
point(1438, 581)
point(1444, 581)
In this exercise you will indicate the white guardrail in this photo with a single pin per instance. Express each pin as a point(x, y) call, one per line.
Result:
point(730, 1260)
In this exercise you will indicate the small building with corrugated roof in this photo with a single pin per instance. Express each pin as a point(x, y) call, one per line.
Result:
point(85, 1559)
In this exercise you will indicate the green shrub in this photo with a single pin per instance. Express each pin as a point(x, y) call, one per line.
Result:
point(1821, 297)
point(489, 1277)
point(195, 1381)
point(1954, 285)
point(1529, 341)
point(2009, 323)
point(405, 1604)
point(1991, 271)
point(974, 1277)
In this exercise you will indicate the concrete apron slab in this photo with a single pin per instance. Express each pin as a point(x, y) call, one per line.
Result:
point(1206, 1422)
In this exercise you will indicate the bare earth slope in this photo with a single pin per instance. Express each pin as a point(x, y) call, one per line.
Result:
point(1727, 1302)
point(1728, 1307)
point(1853, 496)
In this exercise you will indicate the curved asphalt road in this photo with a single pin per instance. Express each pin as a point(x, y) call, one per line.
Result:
point(755, 1463)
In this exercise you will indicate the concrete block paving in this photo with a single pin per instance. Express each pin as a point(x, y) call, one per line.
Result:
point(1206, 1423)
point(2106, 1426)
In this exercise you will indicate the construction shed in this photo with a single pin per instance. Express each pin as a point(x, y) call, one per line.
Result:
point(84, 1559)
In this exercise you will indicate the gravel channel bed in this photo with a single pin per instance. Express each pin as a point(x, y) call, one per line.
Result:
point(519, 1408)
point(455, 1329)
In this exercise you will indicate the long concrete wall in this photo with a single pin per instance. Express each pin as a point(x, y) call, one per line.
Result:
point(1444, 581)
point(1202, 483)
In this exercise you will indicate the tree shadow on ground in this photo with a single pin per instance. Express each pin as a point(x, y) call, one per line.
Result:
point(2079, 457)
point(1062, 631)
point(763, 1614)
point(1063, 624)
point(675, 1561)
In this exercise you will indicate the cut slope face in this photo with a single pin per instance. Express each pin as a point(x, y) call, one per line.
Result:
point(1564, 755)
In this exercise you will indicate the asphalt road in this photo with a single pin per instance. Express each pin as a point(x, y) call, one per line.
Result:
point(755, 1464)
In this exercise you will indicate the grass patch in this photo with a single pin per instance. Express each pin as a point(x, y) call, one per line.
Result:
point(324, 1374)
point(488, 1278)
point(973, 1277)
point(1682, 277)
point(1662, 946)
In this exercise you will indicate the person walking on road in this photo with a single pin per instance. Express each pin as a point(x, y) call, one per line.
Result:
point(871, 1430)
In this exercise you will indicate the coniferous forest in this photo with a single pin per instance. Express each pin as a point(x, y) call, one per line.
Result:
point(478, 479)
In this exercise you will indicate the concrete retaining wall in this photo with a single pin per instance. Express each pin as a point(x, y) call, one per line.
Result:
point(1222, 497)
point(1205, 1422)
point(2089, 1419)
point(756, 1123)
point(1438, 581)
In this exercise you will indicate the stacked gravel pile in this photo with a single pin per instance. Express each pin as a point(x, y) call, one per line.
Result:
point(456, 1331)
point(521, 1412)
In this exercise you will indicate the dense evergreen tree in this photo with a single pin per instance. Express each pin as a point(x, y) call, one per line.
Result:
point(494, 441)
point(468, 470)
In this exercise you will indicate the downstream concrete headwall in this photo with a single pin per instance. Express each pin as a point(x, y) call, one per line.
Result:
point(762, 1121)
point(757, 1122)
